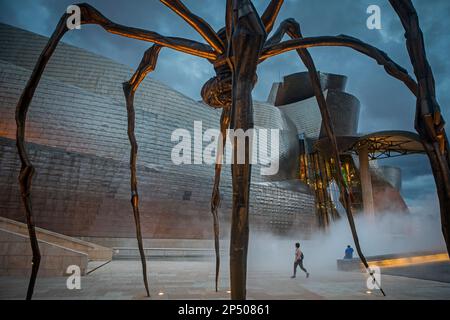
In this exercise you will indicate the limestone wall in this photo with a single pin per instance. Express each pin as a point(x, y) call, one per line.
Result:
point(16, 256)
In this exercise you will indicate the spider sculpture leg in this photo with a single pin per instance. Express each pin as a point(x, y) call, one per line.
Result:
point(248, 36)
point(208, 33)
point(429, 122)
point(392, 68)
point(270, 14)
point(27, 170)
point(292, 28)
point(147, 65)
point(215, 197)
point(89, 15)
point(229, 22)
point(202, 27)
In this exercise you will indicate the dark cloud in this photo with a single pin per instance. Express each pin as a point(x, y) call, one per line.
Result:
point(418, 183)
point(386, 103)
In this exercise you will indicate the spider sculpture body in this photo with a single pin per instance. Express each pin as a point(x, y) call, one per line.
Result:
point(235, 52)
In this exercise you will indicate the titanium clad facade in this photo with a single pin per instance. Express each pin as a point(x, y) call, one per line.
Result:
point(77, 140)
point(295, 97)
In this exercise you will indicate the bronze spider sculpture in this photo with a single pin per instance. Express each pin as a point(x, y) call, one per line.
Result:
point(235, 52)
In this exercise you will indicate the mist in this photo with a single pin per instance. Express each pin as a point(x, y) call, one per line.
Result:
point(386, 233)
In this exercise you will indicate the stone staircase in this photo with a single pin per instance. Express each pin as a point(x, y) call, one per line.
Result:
point(132, 253)
point(167, 249)
point(58, 251)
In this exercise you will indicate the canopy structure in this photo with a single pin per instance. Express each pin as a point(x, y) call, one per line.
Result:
point(381, 145)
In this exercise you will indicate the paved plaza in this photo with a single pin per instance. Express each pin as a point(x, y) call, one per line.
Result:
point(178, 279)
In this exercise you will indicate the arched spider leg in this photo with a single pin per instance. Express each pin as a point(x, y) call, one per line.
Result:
point(270, 14)
point(89, 15)
point(379, 56)
point(147, 65)
point(429, 122)
point(202, 27)
point(215, 197)
point(92, 16)
point(224, 125)
point(292, 28)
point(27, 170)
point(247, 40)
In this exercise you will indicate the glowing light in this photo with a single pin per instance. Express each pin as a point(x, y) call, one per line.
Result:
point(161, 294)
point(369, 292)
point(228, 291)
point(401, 262)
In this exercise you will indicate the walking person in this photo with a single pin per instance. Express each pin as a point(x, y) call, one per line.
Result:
point(299, 261)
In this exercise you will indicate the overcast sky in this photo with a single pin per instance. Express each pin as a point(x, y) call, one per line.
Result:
point(386, 103)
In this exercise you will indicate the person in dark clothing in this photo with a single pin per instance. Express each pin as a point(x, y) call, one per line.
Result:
point(348, 252)
point(298, 262)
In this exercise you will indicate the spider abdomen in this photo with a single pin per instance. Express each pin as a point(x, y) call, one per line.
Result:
point(216, 92)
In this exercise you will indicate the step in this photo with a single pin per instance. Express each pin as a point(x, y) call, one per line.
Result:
point(130, 253)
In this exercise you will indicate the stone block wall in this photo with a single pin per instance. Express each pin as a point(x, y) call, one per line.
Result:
point(16, 256)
